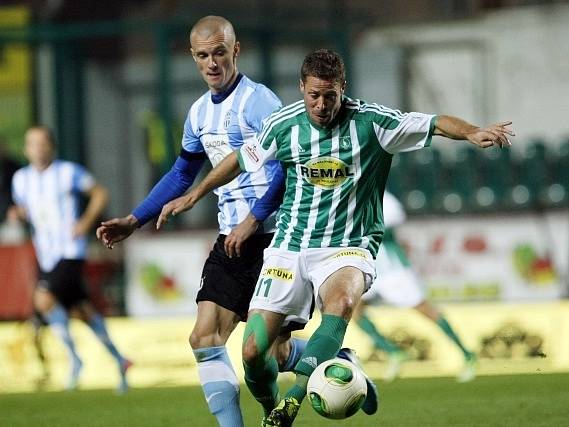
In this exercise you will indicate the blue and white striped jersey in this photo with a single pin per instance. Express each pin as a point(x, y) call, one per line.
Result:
point(51, 200)
point(218, 128)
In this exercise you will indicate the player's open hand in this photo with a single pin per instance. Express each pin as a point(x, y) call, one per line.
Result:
point(116, 229)
point(239, 234)
point(174, 207)
point(496, 134)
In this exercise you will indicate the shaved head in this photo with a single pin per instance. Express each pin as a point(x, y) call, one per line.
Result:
point(211, 25)
point(215, 50)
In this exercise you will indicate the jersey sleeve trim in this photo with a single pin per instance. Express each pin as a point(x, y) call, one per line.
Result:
point(192, 155)
point(432, 127)
point(240, 160)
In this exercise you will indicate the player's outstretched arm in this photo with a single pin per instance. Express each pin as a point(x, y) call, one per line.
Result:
point(455, 128)
point(223, 173)
point(116, 230)
point(173, 184)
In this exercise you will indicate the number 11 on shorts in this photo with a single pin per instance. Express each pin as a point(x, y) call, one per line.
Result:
point(263, 282)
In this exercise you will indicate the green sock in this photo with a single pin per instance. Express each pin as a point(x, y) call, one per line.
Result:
point(324, 344)
point(379, 340)
point(262, 382)
point(298, 390)
point(447, 329)
point(261, 376)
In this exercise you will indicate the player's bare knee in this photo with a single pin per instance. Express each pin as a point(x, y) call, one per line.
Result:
point(198, 339)
point(358, 310)
point(342, 305)
point(427, 310)
point(43, 301)
point(194, 340)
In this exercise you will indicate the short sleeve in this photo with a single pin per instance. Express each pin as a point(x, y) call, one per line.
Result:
point(83, 181)
point(190, 141)
point(18, 188)
point(259, 106)
point(255, 153)
point(393, 212)
point(404, 131)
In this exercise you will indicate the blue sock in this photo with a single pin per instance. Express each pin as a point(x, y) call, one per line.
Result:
point(97, 324)
point(297, 347)
point(220, 385)
point(59, 323)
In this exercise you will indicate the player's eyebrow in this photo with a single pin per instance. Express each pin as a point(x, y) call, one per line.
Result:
point(206, 51)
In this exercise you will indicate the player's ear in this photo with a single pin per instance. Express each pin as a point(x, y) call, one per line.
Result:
point(301, 86)
point(343, 87)
point(193, 55)
point(236, 50)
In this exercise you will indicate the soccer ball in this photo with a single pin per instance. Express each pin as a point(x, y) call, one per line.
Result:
point(337, 389)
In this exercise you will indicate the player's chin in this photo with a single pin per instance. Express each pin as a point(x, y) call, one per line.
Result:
point(321, 120)
point(215, 81)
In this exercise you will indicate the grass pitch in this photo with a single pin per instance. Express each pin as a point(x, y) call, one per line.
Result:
point(522, 400)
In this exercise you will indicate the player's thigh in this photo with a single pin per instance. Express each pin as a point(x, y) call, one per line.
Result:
point(65, 283)
point(339, 276)
point(229, 282)
point(282, 287)
point(341, 291)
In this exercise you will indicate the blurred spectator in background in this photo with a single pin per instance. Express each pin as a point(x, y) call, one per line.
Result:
point(46, 193)
point(397, 284)
point(9, 231)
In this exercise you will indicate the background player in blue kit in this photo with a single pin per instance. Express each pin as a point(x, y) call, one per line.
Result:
point(220, 121)
point(46, 193)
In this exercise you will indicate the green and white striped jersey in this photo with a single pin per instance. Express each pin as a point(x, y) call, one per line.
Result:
point(335, 176)
point(391, 256)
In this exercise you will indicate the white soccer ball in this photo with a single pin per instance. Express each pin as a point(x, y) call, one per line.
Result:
point(337, 389)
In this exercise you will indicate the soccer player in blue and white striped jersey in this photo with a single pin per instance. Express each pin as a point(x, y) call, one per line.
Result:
point(46, 193)
point(228, 115)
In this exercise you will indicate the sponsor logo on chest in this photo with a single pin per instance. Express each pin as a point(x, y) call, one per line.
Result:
point(217, 147)
point(325, 172)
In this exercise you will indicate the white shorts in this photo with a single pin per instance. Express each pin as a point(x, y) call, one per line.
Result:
point(289, 281)
point(400, 288)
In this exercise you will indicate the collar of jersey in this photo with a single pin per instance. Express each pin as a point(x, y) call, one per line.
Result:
point(40, 172)
point(218, 98)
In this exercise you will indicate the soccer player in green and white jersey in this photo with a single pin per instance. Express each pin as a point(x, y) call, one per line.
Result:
point(336, 152)
point(399, 285)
